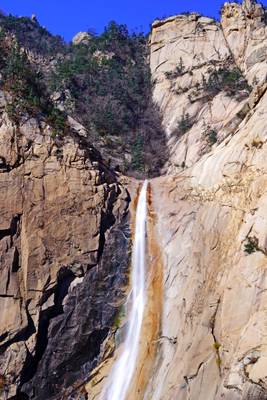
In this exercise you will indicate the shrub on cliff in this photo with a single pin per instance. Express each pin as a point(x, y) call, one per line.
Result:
point(104, 83)
point(28, 93)
point(109, 80)
point(211, 135)
point(228, 79)
point(138, 154)
point(20, 80)
point(179, 71)
point(252, 245)
point(31, 35)
point(112, 66)
point(184, 125)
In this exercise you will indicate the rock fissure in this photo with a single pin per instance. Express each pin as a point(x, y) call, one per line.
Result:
point(65, 277)
point(216, 344)
point(22, 336)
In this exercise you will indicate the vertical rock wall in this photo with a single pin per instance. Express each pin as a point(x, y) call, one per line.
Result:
point(186, 50)
point(63, 242)
point(212, 216)
point(244, 28)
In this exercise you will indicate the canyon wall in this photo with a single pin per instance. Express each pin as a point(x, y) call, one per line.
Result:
point(64, 262)
point(65, 232)
point(195, 61)
point(212, 210)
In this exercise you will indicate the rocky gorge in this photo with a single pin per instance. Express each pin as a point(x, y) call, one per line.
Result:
point(67, 217)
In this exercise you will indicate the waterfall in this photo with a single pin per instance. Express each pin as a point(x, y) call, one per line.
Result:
point(123, 369)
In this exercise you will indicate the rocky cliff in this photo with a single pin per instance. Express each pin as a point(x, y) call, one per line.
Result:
point(63, 241)
point(203, 72)
point(212, 215)
point(65, 225)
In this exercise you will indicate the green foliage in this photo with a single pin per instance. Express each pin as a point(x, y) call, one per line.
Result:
point(216, 346)
point(252, 245)
point(105, 84)
point(218, 362)
point(31, 35)
point(119, 317)
point(29, 95)
point(179, 71)
point(138, 154)
point(20, 80)
point(211, 136)
point(12, 111)
point(229, 80)
point(185, 124)
point(57, 120)
point(110, 82)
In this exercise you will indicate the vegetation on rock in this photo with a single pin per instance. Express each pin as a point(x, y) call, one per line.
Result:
point(31, 35)
point(28, 94)
point(179, 71)
point(109, 80)
point(228, 79)
point(252, 245)
point(211, 135)
point(183, 126)
point(104, 83)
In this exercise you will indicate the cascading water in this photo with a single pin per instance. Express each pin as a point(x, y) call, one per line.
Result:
point(123, 370)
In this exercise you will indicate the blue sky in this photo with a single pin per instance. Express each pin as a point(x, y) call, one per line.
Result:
point(67, 17)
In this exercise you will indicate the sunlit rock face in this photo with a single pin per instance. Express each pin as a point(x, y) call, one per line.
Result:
point(212, 229)
point(81, 38)
point(185, 46)
point(65, 233)
point(244, 27)
point(212, 217)
point(186, 50)
point(63, 257)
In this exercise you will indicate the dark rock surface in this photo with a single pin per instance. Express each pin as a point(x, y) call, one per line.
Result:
point(74, 338)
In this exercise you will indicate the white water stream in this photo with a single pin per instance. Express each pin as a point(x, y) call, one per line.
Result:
point(123, 369)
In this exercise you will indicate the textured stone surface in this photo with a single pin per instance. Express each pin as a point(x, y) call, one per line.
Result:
point(213, 339)
point(214, 288)
point(58, 203)
point(76, 337)
point(64, 235)
point(185, 49)
point(197, 47)
point(245, 30)
point(81, 37)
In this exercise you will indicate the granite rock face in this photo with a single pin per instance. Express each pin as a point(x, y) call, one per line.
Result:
point(244, 27)
point(211, 217)
point(59, 203)
point(81, 38)
point(194, 61)
point(212, 229)
point(65, 237)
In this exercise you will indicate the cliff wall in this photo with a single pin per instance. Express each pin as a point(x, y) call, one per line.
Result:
point(212, 211)
point(63, 242)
